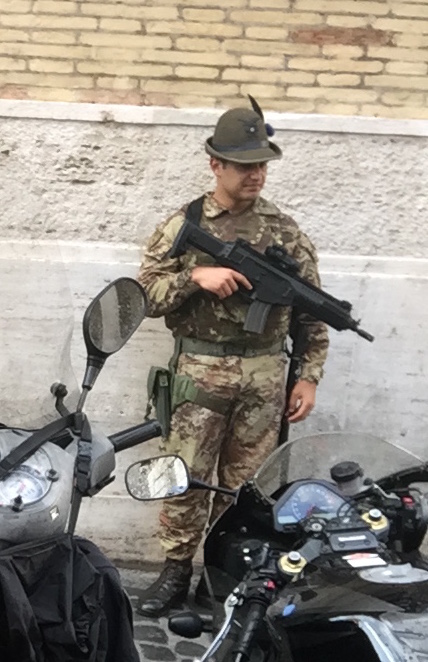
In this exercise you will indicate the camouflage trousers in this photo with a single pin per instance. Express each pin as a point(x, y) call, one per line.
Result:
point(234, 445)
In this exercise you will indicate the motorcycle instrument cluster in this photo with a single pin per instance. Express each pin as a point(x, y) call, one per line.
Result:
point(34, 497)
point(25, 485)
point(307, 499)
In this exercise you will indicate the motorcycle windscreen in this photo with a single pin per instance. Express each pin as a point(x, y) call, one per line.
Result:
point(36, 327)
point(314, 455)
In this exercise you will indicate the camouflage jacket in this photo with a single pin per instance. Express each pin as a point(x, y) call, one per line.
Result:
point(191, 311)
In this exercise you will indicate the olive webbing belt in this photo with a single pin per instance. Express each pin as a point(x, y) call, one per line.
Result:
point(221, 349)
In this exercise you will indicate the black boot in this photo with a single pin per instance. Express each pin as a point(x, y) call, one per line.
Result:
point(169, 590)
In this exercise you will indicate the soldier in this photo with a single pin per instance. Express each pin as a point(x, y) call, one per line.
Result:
point(229, 388)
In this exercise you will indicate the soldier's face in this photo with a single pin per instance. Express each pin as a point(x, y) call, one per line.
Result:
point(239, 182)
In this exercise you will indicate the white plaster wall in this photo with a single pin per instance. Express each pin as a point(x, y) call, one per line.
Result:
point(378, 388)
point(357, 186)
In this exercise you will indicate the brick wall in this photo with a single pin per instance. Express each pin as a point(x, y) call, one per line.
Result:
point(348, 57)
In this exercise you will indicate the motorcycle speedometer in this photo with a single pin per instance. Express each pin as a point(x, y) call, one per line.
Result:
point(27, 483)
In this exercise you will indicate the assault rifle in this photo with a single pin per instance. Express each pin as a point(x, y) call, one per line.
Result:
point(274, 277)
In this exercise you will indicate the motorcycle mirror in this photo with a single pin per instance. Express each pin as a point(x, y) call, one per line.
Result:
point(109, 321)
point(157, 478)
point(113, 316)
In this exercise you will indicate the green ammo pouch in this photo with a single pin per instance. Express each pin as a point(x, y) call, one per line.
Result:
point(184, 389)
point(159, 396)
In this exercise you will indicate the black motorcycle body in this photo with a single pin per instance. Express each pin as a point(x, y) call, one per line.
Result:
point(304, 568)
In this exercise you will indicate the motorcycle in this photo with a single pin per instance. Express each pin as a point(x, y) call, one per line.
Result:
point(60, 597)
point(317, 558)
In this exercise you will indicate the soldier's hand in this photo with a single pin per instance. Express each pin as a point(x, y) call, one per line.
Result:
point(219, 280)
point(302, 401)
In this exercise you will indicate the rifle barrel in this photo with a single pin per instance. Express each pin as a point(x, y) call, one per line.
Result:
point(365, 334)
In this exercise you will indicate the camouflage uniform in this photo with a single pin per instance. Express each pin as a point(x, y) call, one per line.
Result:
point(242, 436)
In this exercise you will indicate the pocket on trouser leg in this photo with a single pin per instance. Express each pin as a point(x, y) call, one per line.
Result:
point(196, 435)
point(182, 524)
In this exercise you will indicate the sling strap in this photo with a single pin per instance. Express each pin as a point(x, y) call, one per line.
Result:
point(194, 211)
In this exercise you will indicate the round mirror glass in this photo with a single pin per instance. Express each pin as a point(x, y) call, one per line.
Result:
point(113, 316)
point(157, 478)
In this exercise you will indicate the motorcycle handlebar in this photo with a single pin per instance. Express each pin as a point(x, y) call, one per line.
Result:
point(135, 435)
point(255, 616)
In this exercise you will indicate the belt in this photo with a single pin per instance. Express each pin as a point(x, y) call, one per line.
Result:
point(194, 346)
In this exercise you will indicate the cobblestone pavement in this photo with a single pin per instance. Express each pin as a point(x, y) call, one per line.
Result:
point(154, 640)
